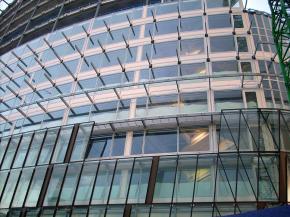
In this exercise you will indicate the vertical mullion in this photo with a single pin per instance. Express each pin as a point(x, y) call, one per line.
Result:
point(152, 180)
point(77, 185)
point(54, 145)
point(71, 143)
point(41, 146)
point(28, 148)
point(45, 186)
point(62, 183)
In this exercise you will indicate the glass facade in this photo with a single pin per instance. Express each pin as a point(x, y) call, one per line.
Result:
point(140, 108)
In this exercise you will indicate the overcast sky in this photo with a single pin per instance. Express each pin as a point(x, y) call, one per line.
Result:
point(261, 5)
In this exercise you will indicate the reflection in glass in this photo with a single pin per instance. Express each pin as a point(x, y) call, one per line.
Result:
point(139, 181)
point(54, 186)
point(192, 46)
point(61, 145)
point(35, 186)
point(9, 155)
point(165, 180)
point(48, 145)
point(160, 142)
point(103, 182)
point(121, 181)
point(35, 148)
point(22, 187)
point(22, 150)
point(9, 188)
point(70, 184)
point(86, 183)
point(81, 142)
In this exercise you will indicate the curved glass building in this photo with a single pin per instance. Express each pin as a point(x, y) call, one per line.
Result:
point(140, 108)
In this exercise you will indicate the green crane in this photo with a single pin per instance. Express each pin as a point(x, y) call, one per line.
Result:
point(280, 10)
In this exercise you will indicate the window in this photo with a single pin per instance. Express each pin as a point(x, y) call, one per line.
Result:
point(160, 142)
point(86, 183)
point(225, 67)
point(217, 3)
point(228, 99)
point(251, 99)
point(3, 146)
point(99, 147)
point(219, 21)
point(164, 72)
point(103, 182)
point(70, 184)
point(165, 180)
point(192, 47)
point(9, 188)
point(185, 179)
point(196, 139)
point(190, 5)
point(54, 186)
point(48, 145)
point(118, 145)
point(3, 177)
point(139, 180)
point(81, 142)
point(222, 43)
point(166, 27)
point(193, 102)
point(238, 21)
point(35, 186)
point(35, 148)
point(22, 187)
point(193, 69)
point(22, 150)
point(137, 143)
point(121, 181)
point(62, 144)
point(242, 44)
point(12, 147)
point(191, 24)
point(164, 49)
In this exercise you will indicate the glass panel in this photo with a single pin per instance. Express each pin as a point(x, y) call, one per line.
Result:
point(225, 68)
point(22, 150)
point(12, 147)
point(35, 148)
point(81, 142)
point(97, 211)
point(196, 139)
point(118, 145)
point(48, 145)
point(98, 147)
point(103, 182)
point(35, 186)
point(86, 183)
point(3, 177)
point(238, 21)
point(139, 181)
point(160, 211)
point(217, 3)
point(47, 213)
point(140, 211)
point(184, 182)
point(115, 211)
point(165, 180)
point(193, 102)
point(191, 24)
point(219, 21)
point(79, 212)
point(54, 185)
point(204, 189)
point(137, 143)
point(222, 43)
point(62, 212)
point(70, 184)
point(231, 99)
point(181, 211)
point(22, 187)
point(62, 144)
point(251, 98)
point(242, 44)
point(9, 188)
point(192, 47)
point(121, 181)
point(160, 142)
point(3, 145)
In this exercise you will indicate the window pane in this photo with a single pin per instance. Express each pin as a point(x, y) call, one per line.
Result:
point(238, 21)
point(98, 147)
point(205, 179)
point(118, 145)
point(164, 49)
point(61, 145)
point(9, 188)
point(48, 145)
point(184, 182)
point(3, 146)
point(22, 150)
point(251, 98)
point(86, 183)
point(160, 142)
point(70, 184)
point(35, 187)
point(165, 180)
point(225, 68)
point(196, 139)
point(139, 181)
point(81, 142)
point(12, 147)
point(197, 69)
point(121, 181)
point(3, 177)
point(242, 44)
point(166, 27)
point(103, 182)
point(192, 47)
point(217, 3)
point(230, 99)
point(54, 185)
point(22, 187)
point(191, 24)
point(219, 21)
point(79, 212)
point(137, 143)
point(35, 148)
point(193, 102)
point(222, 43)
